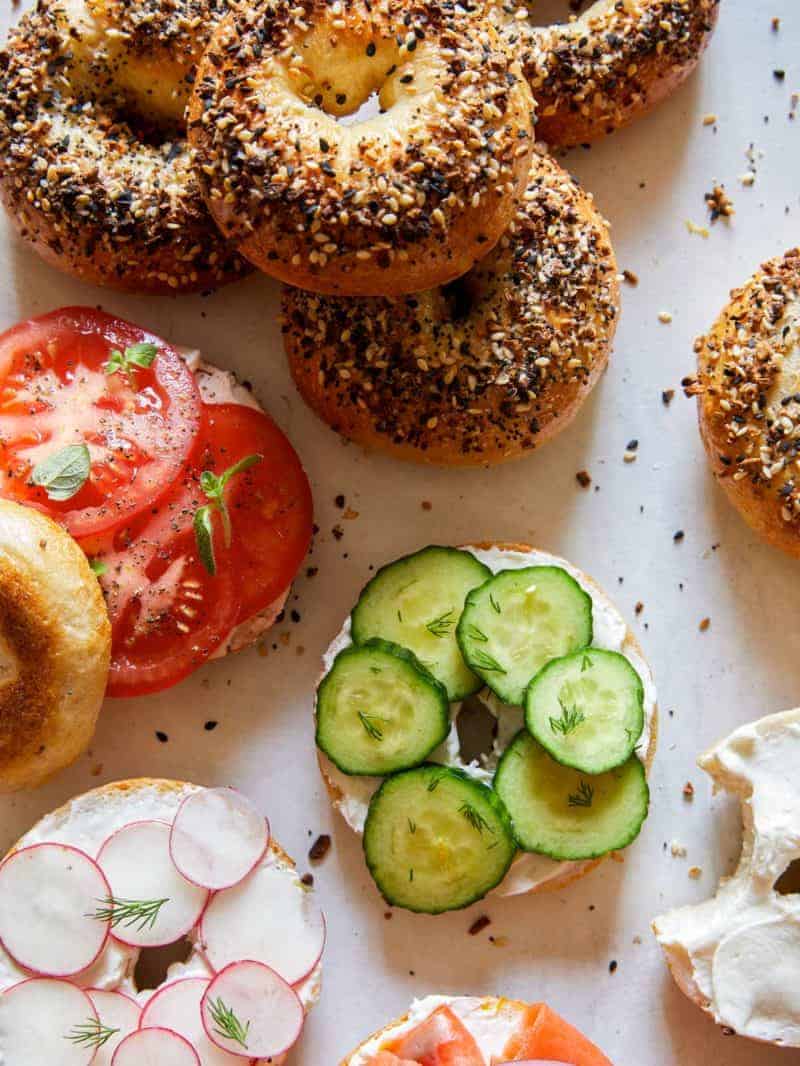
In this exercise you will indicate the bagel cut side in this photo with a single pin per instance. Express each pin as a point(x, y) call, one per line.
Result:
point(607, 66)
point(55, 648)
point(95, 172)
point(748, 392)
point(483, 370)
point(395, 203)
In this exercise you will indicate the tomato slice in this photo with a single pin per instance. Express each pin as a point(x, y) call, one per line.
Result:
point(169, 614)
point(441, 1040)
point(139, 426)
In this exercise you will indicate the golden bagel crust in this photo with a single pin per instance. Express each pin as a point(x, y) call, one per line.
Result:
point(55, 646)
point(500, 1003)
point(630, 644)
point(111, 202)
point(748, 392)
point(610, 65)
point(480, 372)
point(395, 204)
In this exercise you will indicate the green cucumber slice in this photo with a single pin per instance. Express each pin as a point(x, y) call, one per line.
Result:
point(560, 812)
point(416, 602)
point(436, 839)
point(518, 621)
point(587, 709)
point(379, 710)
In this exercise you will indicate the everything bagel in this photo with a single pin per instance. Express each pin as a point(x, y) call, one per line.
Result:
point(94, 167)
point(407, 199)
point(747, 386)
point(608, 66)
point(480, 371)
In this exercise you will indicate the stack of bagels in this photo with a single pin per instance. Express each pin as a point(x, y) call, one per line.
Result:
point(451, 292)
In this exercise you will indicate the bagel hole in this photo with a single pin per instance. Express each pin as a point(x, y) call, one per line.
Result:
point(460, 297)
point(788, 884)
point(477, 730)
point(368, 109)
point(550, 12)
point(151, 969)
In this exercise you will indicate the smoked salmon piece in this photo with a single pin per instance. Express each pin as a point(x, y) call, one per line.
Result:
point(441, 1040)
point(543, 1035)
point(387, 1058)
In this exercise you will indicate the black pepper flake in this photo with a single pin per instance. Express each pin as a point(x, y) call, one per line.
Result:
point(779, 75)
point(480, 924)
point(295, 616)
point(160, 735)
point(320, 848)
point(340, 501)
point(612, 966)
point(633, 445)
point(210, 725)
point(677, 537)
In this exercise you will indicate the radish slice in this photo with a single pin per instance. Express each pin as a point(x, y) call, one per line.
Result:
point(249, 1010)
point(152, 904)
point(269, 918)
point(176, 1006)
point(44, 1021)
point(155, 1047)
point(49, 893)
point(115, 1011)
point(217, 838)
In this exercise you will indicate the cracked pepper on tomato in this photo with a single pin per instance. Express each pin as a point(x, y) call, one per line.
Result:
point(195, 516)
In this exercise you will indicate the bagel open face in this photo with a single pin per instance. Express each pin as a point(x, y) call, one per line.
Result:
point(481, 371)
point(529, 873)
point(748, 378)
point(362, 208)
point(55, 642)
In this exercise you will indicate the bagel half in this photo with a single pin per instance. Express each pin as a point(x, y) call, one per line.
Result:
point(748, 391)
point(55, 646)
point(572, 871)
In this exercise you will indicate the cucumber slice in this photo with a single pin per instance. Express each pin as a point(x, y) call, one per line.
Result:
point(379, 710)
point(518, 621)
point(567, 815)
point(416, 602)
point(436, 839)
point(587, 709)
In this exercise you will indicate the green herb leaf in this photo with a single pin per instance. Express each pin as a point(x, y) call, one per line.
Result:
point(368, 721)
point(412, 826)
point(204, 535)
point(227, 1024)
point(495, 604)
point(141, 913)
point(476, 634)
point(441, 626)
point(586, 663)
point(475, 818)
point(91, 1033)
point(569, 721)
point(482, 660)
point(583, 797)
point(63, 474)
point(98, 567)
point(135, 356)
point(213, 485)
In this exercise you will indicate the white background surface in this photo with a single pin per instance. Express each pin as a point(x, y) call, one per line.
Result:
point(649, 180)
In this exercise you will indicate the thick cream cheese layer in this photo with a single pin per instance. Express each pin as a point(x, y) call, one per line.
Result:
point(86, 823)
point(738, 954)
point(529, 870)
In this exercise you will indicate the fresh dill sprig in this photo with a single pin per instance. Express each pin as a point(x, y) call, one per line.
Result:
point(495, 604)
point(91, 1033)
point(227, 1024)
point(571, 718)
point(475, 818)
point(586, 663)
point(140, 913)
point(441, 626)
point(476, 634)
point(368, 721)
point(583, 797)
point(483, 661)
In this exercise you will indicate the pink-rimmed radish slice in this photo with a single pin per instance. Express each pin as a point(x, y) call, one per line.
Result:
point(49, 893)
point(116, 1012)
point(271, 918)
point(250, 1011)
point(155, 1047)
point(44, 1021)
point(152, 903)
point(177, 1006)
point(217, 838)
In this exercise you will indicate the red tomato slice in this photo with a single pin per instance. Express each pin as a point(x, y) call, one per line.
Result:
point(441, 1040)
point(54, 392)
point(168, 613)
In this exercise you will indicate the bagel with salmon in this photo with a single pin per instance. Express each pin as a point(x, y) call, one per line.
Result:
point(391, 204)
point(573, 721)
point(479, 371)
point(139, 864)
point(477, 1031)
point(748, 396)
point(607, 66)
